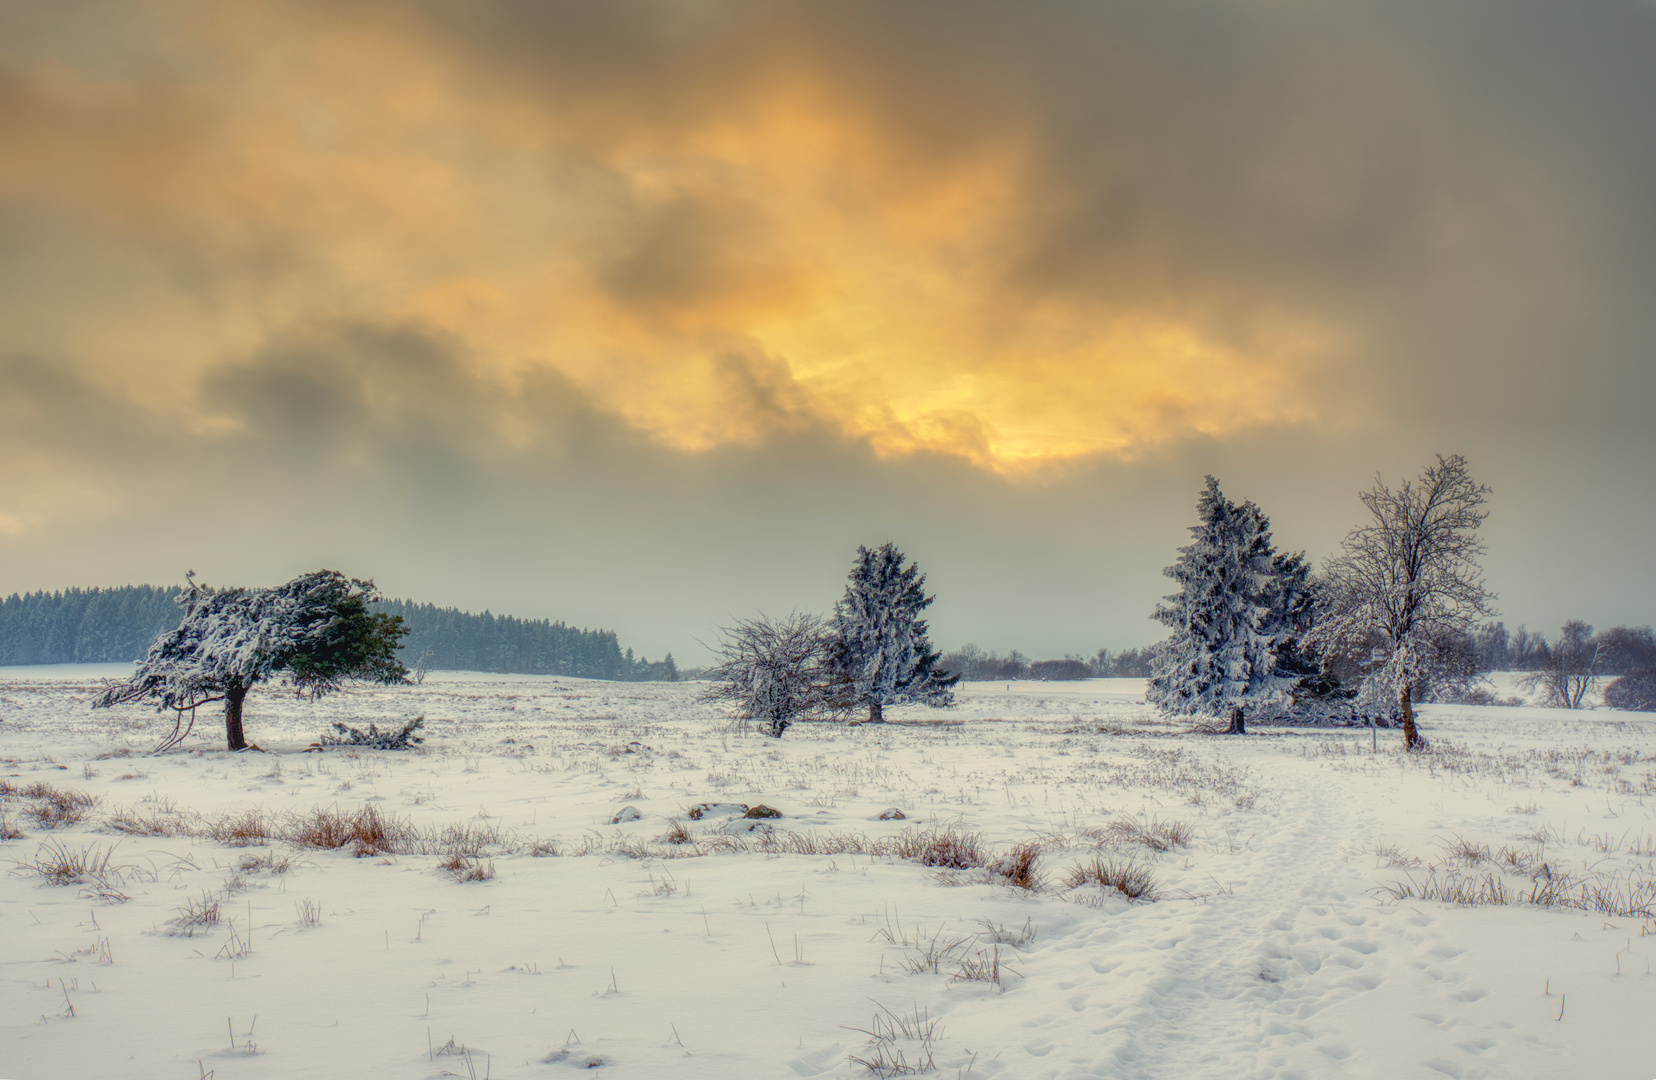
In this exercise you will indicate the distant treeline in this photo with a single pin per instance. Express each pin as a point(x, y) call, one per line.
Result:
point(447, 639)
point(89, 626)
point(975, 665)
point(84, 626)
point(1619, 650)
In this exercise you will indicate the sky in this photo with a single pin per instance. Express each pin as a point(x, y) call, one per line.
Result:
point(644, 315)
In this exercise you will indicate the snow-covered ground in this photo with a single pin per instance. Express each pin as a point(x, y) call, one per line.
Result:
point(1278, 944)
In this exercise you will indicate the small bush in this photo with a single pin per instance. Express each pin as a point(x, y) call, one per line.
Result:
point(405, 738)
point(1636, 692)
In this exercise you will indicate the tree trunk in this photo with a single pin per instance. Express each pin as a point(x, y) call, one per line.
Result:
point(1411, 738)
point(233, 698)
point(875, 715)
point(1237, 727)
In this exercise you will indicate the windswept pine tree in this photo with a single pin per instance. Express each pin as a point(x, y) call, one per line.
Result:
point(316, 630)
point(879, 653)
point(1231, 618)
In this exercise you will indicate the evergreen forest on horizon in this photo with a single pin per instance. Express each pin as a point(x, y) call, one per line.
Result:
point(118, 625)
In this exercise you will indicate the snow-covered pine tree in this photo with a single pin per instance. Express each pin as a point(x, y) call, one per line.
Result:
point(879, 653)
point(316, 631)
point(1229, 618)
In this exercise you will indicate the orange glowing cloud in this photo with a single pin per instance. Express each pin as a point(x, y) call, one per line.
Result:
point(711, 262)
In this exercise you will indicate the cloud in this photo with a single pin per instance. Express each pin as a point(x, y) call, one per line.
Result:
point(574, 270)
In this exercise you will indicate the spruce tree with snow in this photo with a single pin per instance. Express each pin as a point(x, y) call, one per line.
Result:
point(1230, 617)
point(879, 653)
point(315, 632)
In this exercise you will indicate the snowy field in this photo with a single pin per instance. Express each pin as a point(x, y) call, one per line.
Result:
point(485, 915)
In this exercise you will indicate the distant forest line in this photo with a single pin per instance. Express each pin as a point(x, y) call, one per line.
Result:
point(117, 625)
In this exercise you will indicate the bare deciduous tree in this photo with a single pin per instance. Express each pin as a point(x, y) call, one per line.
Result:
point(1409, 579)
point(1570, 668)
point(771, 669)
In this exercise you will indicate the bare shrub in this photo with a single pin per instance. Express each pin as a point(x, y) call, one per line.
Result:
point(677, 833)
point(1127, 877)
point(9, 831)
point(542, 848)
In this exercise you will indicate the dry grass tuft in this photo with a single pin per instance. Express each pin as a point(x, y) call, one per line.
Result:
point(158, 820)
point(367, 832)
point(270, 861)
point(1158, 836)
point(951, 848)
point(53, 808)
point(462, 868)
point(196, 916)
point(1019, 865)
point(239, 830)
point(1127, 877)
point(57, 864)
point(885, 1058)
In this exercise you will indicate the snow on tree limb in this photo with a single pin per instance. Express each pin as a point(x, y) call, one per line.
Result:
point(1409, 579)
point(315, 631)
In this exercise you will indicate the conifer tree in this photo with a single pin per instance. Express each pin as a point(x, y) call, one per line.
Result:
point(879, 653)
point(1231, 617)
point(316, 630)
